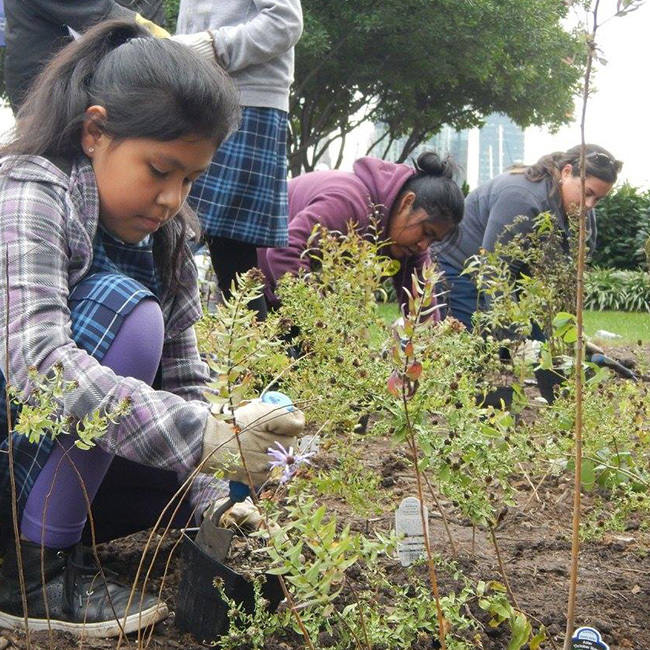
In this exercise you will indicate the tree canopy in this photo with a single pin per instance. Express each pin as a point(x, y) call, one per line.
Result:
point(419, 64)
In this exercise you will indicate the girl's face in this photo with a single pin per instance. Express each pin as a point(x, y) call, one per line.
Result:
point(142, 182)
point(411, 231)
point(570, 190)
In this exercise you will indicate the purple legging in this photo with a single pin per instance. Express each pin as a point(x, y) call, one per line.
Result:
point(56, 510)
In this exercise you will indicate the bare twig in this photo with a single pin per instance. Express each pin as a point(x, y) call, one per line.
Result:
point(12, 475)
point(582, 238)
point(412, 442)
point(454, 550)
point(502, 569)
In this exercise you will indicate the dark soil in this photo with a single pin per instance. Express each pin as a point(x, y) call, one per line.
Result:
point(534, 540)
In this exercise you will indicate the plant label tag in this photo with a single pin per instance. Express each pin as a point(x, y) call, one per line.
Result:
point(408, 522)
point(587, 638)
point(308, 444)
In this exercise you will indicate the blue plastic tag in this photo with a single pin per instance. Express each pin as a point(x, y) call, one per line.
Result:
point(276, 398)
point(587, 638)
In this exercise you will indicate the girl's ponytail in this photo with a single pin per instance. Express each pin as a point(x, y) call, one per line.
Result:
point(49, 122)
point(150, 88)
point(600, 163)
point(430, 163)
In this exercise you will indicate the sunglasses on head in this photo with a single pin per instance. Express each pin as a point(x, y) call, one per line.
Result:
point(603, 160)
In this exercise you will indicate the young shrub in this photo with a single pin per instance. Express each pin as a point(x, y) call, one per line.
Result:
point(332, 313)
point(527, 280)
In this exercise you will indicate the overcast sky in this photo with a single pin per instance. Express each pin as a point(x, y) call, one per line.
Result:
point(618, 113)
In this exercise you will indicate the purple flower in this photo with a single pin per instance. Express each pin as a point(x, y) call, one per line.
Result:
point(287, 460)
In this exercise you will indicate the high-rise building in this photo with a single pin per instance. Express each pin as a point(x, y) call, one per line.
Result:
point(500, 145)
point(447, 142)
point(480, 154)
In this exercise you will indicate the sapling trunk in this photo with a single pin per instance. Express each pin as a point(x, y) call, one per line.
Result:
point(12, 475)
point(579, 352)
point(502, 569)
point(452, 542)
point(430, 564)
point(406, 387)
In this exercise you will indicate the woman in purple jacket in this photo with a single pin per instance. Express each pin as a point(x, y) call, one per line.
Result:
point(416, 207)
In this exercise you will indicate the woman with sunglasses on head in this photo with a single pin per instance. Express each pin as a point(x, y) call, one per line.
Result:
point(415, 207)
point(494, 211)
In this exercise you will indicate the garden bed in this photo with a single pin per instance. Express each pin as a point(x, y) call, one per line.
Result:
point(504, 476)
point(534, 542)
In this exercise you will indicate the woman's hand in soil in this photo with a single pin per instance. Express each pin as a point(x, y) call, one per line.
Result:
point(258, 426)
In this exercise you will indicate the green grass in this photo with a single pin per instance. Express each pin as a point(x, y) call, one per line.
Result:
point(632, 326)
point(388, 311)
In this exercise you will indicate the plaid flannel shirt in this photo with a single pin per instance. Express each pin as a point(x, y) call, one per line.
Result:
point(47, 224)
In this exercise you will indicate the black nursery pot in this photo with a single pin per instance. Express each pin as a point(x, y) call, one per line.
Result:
point(495, 397)
point(547, 381)
point(200, 609)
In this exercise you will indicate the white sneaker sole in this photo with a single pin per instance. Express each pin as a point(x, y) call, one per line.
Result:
point(111, 628)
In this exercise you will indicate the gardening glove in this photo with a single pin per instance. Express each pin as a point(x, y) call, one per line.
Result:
point(243, 516)
point(530, 351)
point(260, 425)
point(154, 29)
point(202, 44)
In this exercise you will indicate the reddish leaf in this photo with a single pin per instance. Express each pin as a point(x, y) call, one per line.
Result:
point(395, 383)
point(414, 370)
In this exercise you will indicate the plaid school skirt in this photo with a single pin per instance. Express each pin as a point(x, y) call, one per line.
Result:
point(98, 306)
point(243, 195)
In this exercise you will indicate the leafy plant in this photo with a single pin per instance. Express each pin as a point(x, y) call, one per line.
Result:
point(41, 412)
point(247, 630)
point(623, 228)
point(244, 354)
point(422, 385)
point(171, 13)
point(615, 290)
point(333, 310)
point(527, 280)
point(616, 449)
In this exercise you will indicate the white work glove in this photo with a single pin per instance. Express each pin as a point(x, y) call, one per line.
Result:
point(260, 425)
point(202, 43)
point(530, 351)
point(244, 517)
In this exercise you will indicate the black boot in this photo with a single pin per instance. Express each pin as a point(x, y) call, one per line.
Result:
point(74, 597)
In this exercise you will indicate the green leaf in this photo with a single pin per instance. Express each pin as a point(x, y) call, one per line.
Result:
point(588, 474)
point(538, 639)
point(521, 631)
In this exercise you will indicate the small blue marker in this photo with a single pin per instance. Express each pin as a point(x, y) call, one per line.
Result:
point(587, 638)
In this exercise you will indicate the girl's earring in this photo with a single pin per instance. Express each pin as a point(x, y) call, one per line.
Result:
point(91, 149)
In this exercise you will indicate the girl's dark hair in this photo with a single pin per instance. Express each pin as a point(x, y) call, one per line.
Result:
point(150, 88)
point(435, 190)
point(599, 163)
